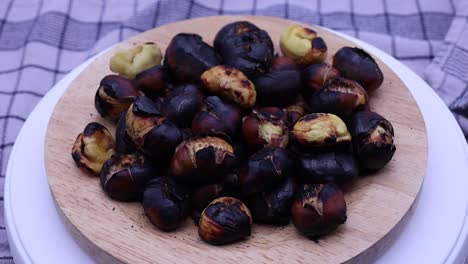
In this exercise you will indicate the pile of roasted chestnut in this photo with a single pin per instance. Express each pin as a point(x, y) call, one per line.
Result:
point(232, 134)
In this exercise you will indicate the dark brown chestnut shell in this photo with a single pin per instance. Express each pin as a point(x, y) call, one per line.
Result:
point(182, 103)
point(315, 75)
point(337, 167)
point(283, 63)
point(277, 88)
point(122, 142)
point(153, 82)
point(296, 110)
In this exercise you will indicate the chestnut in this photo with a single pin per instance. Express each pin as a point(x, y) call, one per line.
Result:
point(124, 177)
point(217, 116)
point(339, 96)
point(166, 203)
point(265, 169)
point(130, 62)
point(265, 126)
point(202, 160)
point(277, 88)
point(356, 64)
point(231, 84)
point(246, 47)
point(373, 140)
point(315, 75)
point(295, 111)
point(122, 142)
point(92, 148)
point(153, 82)
point(334, 166)
point(225, 220)
point(283, 63)
point(318, 130)
point(188, 56)
point(318, 209)
point(114, 95)
point(203, 195)
point(150, 131)
point(302, 45)
point(274, 207)
point(182, 103)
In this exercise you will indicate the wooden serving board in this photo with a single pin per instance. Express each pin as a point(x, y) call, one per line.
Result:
point(120, 232)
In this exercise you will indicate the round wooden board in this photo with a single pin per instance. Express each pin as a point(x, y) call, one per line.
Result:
point(119, 232)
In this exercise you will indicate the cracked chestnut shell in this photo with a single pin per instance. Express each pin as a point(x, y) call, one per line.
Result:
point(295, 111)
point(246, 47)
point(122, 142)
point(318, 209)
point(327, 167)
point(114, 95)
point(302, 45)
point(225, 220)
point(274, 207)
point(153, 82)
point(150, 131)
point(124, 177)
point(188, 56)
point(277, 88)
point(339, 96)
point(373, 140)
point(92, 148)
point(315, 75)
point(265, 126)
point(182, 104)
point(202, 160)
point(356, 64)
point(283, 63)
point(166, 203)
point(217, 116)
point(319, 130)
point(265, 169)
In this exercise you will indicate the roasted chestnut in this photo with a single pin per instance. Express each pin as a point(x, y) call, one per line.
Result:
point(114, 95)
point(225, 220)
point(244, 46)
point(320, 130)
point(150, 131)
point(356, 64)
point(265, 126)
point(92, 148)
point(318, 209)
point(231, 84)
point(315, 75)
point(166, 203)
point(283, 63)
point(327, 167)
point(217, 116)
point(274, 207)
point(124, 177)
point(187, 57)
point(295, 111)
point(122, 142)
point(153, 82)
point(278, 88)
point(135, 60)
point(373, 140)
point(203, 195)
point(202, 160)
point(302, 45)
point(339, 96)
point(265, 169)
point(182, 104)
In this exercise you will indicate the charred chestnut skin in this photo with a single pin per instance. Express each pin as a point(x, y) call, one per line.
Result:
point(318, 209)
point(114, 95)
point(278, 88)
point(283, 63)
point(182, 103)
point(315, 75)
point(265, 169)
point(335, 167)
point(265, 126)
point(373, 140)
point(124, 177)
point(246, 47)
point(153, 82)
point(356, 64)
point(217, 116)
point(188, 56)
point(225, 220)
point(122, 142)
point(166, 203)
point(274, 207)
point(202, 160)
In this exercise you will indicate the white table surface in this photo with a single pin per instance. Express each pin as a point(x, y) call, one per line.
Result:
point(435, 233)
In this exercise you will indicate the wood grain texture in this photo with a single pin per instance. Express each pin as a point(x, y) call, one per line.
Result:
point(120, 232)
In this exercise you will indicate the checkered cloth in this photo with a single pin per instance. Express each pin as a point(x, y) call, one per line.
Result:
point(42, 40)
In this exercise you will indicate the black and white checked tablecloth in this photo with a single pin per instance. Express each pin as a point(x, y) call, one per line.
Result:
point(42, 40)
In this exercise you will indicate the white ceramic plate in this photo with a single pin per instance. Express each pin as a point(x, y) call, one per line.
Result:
point(435, 233)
